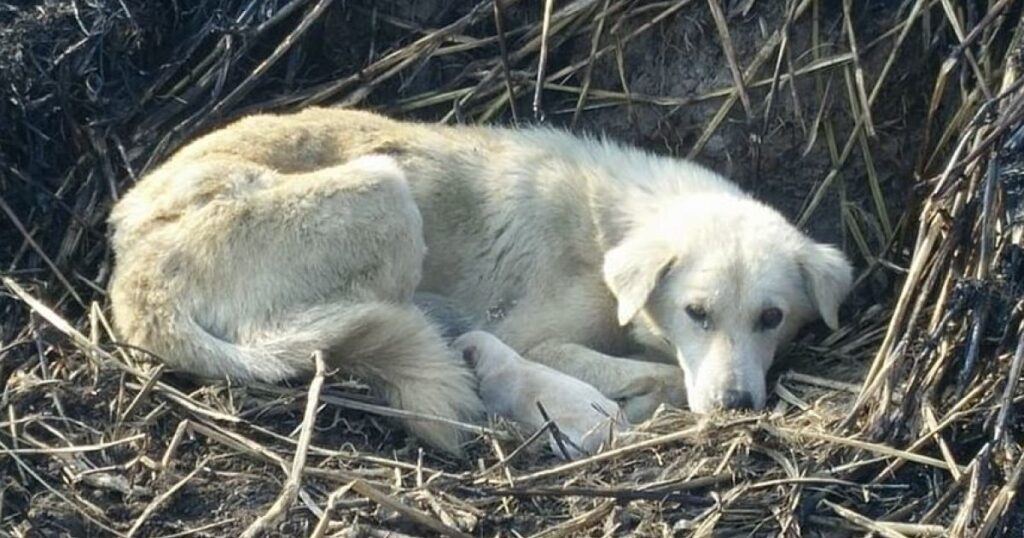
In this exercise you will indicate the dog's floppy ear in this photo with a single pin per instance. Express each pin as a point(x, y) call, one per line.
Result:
point(827, 277)
point(632, 270)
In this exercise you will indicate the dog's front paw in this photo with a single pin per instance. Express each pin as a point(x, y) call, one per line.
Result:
point(585, 431)
point(655, 385)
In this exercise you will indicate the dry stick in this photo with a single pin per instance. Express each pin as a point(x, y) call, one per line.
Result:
point(88, 345)
point(881, 212)
point(503, 463)
point(1003, 500)
point(196, 83)
point(762, 56)
point(576, 66)
point(934, 257)
point(183, 55)
point(184, 400)
point(496, 446)
point(967, 512)
point(417, 516)
point(147, 387)
point(341, 454)
point(246, 85)
point(365, 531)
point(787, 396)
point(713, 515)
point(73, 449)
point(588, 72)
point(820, 382)
point(499, 27)
point(818, 194)
point(688, 433)
point(386, 411)
point(620, 67)
point(958, 31)
point(542, 62)
point(85, 511)
point(332, 501)
point(989, 17)
point(77, 468)
point(886, 528)
point(248, 446)
point(620, 494)
point(955, 163)
point(579, 522)
point(556, 433)
point(783, 432)
point(928, 414)
point(39, 250)
point(1012, 379)
point(981, 311)
point(294, 482)
point(938, 91)
point(172, 447)
point(862, 93)
point(933, 431)
point(927, 236)
point(178, 130)
point(204, 64)
point(769, 100)
point(159, 500)
point(481, 87)
point(668, 101)
point(1006, 122)
point(730, 55)
point(928, 231)
point(201, 529)
point(359, 94)
point(319, 94)
point(796, 492)
point(560, 20)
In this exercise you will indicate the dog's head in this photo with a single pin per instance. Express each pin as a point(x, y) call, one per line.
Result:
point(722, 281)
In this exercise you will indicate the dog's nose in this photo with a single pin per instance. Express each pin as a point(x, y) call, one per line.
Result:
point(737, 400)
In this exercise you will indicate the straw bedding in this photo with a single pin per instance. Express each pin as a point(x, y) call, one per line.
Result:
point(892, 128)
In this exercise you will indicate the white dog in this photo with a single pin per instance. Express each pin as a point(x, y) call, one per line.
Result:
point(276, 236)
point(511, 387)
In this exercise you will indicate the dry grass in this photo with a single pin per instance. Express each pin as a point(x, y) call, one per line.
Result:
point(902, 423)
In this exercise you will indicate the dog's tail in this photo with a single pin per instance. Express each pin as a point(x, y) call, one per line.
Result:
point(394, 348)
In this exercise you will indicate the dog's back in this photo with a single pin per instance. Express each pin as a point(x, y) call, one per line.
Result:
point(228, 268)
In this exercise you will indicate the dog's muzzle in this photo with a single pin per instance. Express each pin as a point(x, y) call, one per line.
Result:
point(735, 400)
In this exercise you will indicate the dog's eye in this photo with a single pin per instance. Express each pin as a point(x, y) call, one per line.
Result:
point(770, 318)
point(699, 315)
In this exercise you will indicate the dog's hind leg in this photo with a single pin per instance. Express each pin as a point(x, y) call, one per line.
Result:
point(234, 270)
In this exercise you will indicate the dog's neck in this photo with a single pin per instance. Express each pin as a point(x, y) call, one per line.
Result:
point(624, 186)
point(628, 188)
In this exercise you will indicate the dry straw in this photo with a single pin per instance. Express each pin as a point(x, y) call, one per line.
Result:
point(909, 425)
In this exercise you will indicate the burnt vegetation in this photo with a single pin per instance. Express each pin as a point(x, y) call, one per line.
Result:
point(892, 128)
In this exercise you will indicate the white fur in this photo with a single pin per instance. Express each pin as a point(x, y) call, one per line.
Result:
point(737, 258)
point(511, 387)
point(276, 236)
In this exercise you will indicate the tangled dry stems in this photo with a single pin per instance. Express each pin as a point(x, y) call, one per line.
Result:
point(95, 438)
